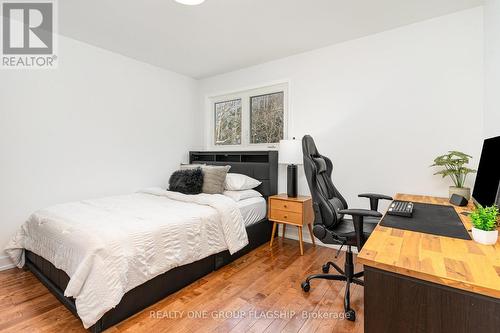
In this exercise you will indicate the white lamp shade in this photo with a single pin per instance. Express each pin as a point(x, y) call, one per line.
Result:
point(290, 152)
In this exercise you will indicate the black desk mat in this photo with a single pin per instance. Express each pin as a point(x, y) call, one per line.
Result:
point(430, 219)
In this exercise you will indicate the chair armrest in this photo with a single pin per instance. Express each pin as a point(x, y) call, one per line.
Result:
point(357, 219)
point(374, 199)
point(360, 212)
point(375, 195)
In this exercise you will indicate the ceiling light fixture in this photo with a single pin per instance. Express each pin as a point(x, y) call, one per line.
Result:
point(190, 2)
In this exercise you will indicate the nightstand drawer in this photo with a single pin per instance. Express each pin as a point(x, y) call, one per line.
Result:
point(287, 216)
point(286, 205)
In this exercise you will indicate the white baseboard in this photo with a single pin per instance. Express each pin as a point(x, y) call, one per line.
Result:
point(293, 233)
point(5, 263)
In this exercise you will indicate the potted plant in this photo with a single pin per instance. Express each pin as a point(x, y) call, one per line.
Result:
point(485, 224)
point(454, 164)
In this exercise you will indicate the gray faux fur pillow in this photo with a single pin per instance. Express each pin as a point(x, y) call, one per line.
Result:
point(191, 166)
point(186, 181)
point(214, 178)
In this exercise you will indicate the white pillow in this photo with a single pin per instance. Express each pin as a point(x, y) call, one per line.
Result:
point(239, 182)
point(242, 195)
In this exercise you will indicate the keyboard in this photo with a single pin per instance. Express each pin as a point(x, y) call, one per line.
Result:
point(401, 208)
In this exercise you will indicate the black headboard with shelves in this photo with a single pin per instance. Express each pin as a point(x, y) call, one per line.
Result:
point(261, 165)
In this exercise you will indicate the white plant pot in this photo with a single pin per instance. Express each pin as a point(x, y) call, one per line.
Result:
point(485, 237)
point(463, 191)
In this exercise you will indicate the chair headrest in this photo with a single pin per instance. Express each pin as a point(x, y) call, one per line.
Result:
point(320, 164)
point(308, 146)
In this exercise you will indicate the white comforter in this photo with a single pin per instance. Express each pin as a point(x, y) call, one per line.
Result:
point(109, 246)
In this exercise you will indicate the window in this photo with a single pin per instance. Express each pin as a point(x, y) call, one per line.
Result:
point(266, 118)
point(249, 118)
point(228, 122)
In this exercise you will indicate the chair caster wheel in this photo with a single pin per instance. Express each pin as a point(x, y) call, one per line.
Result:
point(326, 268)
point(350, 315)
point(305, 286)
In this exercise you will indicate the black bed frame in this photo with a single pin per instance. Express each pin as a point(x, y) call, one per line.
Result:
point(261, 165)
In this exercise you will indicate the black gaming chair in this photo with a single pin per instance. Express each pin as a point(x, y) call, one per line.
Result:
point(330, 226)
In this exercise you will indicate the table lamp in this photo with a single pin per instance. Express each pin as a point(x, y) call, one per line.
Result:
point(290, 152)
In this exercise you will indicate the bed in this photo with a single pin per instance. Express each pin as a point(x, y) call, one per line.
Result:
point(259, 165)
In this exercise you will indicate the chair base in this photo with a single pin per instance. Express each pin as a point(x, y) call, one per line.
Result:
point(346, 275)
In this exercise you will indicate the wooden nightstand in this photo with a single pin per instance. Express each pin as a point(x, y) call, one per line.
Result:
point(293, 211)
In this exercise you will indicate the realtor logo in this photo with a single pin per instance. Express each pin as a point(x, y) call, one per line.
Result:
point(28, 34)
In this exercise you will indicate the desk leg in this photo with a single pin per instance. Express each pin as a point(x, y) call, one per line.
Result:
point(272, 234)
point(300, 241)
point(309, 226)
point(283, 233)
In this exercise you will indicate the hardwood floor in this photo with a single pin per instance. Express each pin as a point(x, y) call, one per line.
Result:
point(259, 292)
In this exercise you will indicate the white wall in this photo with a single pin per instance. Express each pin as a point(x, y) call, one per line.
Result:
point(383, 106)
point(100, 124)
point(492, 67)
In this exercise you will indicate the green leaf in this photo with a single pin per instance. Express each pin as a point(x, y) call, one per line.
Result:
point(485, 218)
point(454, 166)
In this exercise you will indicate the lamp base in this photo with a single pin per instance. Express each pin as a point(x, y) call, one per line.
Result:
point(291, 175)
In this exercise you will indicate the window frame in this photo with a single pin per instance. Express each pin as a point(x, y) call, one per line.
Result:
point(245, 96)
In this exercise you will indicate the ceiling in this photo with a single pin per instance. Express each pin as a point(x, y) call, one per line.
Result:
point(224, 35)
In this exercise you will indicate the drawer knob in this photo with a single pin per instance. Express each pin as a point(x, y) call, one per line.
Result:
point(285, 206)
point(285, 216)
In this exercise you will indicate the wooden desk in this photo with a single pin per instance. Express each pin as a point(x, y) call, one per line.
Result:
point(448, 283)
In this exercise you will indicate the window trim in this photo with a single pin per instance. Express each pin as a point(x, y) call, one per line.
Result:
point(245, 95)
